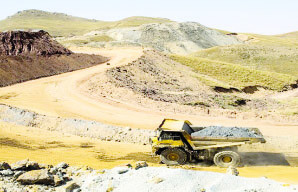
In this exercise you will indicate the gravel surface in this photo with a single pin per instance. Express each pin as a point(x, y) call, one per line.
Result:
point(73, 126)
point(219, 131)
point(138, 178)
point(181, 38)
point(168, 179)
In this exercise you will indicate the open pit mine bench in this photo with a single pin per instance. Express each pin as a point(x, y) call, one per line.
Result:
point(175, 145)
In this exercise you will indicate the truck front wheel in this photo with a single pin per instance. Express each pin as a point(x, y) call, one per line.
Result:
point(173, 156)
point(226, 159)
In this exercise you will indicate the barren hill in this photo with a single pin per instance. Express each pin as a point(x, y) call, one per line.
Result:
point(60, 24)
point(30, 55)
point(189, 85)
point(170, 37)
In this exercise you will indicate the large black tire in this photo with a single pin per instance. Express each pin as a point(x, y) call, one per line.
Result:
point(226, 159)
point(173, 156)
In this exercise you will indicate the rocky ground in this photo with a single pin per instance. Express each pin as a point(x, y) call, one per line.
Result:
point(30, 176)
point(24, 42)
point(169, 37)
point(156, 81)
point(92, 129)
point(73, 126)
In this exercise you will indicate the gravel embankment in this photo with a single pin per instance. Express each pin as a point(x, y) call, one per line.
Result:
point(79, 127)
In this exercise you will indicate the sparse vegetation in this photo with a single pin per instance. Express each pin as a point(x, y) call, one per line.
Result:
point(59, 24)
point(101, 38)
point(235, 75)
point(269, 53)
point(259, 57)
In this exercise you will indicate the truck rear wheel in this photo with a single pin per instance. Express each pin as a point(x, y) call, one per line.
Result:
point(226, 159)
point(173, 156)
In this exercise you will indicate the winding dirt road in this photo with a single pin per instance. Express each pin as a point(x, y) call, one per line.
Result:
point(60, 95)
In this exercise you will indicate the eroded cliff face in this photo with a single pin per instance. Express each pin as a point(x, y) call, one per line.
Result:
point(27, 55)
point(24, 42)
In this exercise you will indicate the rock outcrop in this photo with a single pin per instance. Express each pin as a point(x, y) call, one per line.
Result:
point(28, 55)
point(25, 42)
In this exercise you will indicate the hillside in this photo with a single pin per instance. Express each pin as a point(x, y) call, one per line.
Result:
point(180, 38)
point(29, 55)
point(229, 75)
point(59, 24)
point(277, 54)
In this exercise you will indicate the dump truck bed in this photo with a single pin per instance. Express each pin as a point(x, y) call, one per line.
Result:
point(209, 142)
point(200, 142)
point(258, 138)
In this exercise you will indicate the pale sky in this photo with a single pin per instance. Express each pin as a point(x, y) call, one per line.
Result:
point(253, 16)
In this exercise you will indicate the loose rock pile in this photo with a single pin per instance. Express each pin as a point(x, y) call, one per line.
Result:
point(72, 126)
point(30, 176)
point(172, 37)
point(219, 131)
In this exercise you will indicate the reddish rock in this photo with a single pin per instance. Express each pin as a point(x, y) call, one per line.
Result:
point(24, 43)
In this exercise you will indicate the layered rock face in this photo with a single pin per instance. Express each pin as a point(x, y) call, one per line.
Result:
point(27, 55)
point(25, 42)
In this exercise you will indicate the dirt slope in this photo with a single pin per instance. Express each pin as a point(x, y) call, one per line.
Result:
point(29, 55)
point(65, 95)
point(173, 37)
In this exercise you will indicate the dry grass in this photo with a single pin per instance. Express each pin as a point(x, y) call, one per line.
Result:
point(59, 24)
point(279, 59)
point(235, 75)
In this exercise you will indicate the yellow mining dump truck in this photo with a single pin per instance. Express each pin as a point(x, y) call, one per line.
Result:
point(175, 144)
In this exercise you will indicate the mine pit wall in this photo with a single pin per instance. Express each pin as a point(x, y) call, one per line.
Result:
point(72, 126)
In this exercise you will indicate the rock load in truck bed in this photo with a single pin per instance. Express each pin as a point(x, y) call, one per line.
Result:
point(28, 55)
point(219, 131)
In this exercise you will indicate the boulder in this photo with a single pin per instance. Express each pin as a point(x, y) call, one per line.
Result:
point(62, 165)
point(70, 187)
point(141, 164)
point(18, 173)
point(36, 177)
point(4, 166)
point(121, 170)
point(58, 181)
point(25, 165)
point(7, 172)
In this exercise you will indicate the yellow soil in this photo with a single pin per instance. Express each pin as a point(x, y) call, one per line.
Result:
point(19, 142)
point(61, 96)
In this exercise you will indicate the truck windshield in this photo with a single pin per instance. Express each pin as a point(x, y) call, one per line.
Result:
point(169, 136)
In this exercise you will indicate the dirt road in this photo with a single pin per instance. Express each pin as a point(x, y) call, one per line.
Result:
point(60, 95)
